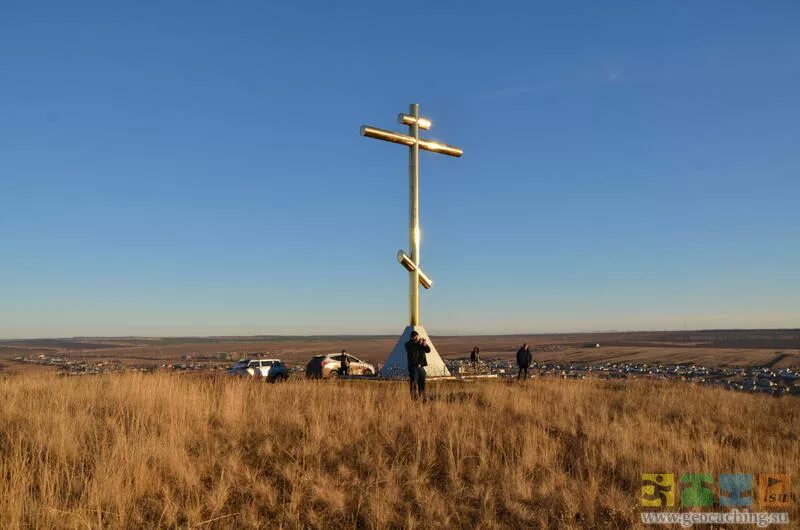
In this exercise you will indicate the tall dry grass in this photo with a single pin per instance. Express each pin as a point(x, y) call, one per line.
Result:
point(164, 451)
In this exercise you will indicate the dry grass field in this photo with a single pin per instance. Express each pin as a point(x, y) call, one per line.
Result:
point(150, 451)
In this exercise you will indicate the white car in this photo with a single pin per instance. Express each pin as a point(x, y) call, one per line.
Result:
point(269, 369)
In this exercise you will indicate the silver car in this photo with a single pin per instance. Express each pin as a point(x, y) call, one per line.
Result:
point(330, 366)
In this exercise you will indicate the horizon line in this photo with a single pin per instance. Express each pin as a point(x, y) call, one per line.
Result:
point(315, 335)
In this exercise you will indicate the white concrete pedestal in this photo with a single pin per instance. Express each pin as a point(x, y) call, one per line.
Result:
point(397, 363)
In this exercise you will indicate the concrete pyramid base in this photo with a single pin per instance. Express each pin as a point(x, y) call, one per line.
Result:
point(397, 363)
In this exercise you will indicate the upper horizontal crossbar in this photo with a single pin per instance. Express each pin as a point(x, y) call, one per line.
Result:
point(422, 123)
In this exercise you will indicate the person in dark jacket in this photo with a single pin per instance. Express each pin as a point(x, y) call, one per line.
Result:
point(524, 358)
point(416, 348)
point(345, 370)
point(475, 356)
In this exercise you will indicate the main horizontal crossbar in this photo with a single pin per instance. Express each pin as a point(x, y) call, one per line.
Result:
point(399, 138)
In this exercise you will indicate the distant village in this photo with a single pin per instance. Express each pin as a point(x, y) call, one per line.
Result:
point(746, 379)
point(783, 381)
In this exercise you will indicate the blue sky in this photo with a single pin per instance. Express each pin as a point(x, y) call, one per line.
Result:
point(172, 168)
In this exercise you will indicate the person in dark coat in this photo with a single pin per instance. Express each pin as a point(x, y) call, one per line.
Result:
point(524, 358)
point(475, 356)
point(416, 348)
point(345, 366)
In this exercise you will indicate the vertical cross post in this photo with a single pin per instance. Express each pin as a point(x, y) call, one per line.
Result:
point(413, 215)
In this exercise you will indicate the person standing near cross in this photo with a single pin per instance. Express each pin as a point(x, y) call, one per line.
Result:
point(416, 350)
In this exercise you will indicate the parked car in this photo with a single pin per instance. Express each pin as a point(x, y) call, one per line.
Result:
point(330, 366)
point(271, 370)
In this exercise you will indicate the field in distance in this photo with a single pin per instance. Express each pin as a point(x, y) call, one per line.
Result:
point(713, 348)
